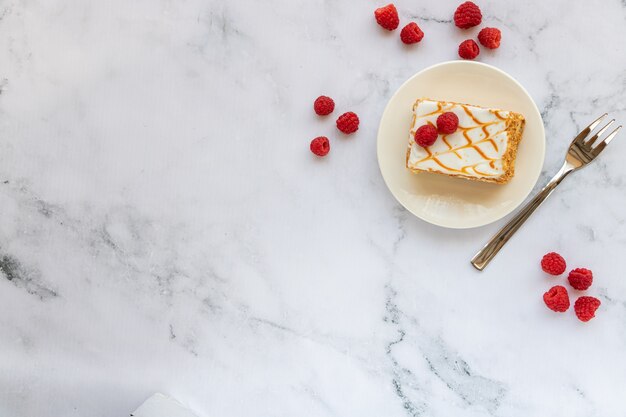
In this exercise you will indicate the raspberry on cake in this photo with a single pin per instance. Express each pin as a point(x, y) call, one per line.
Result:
point(447, 123)
point(425, 135)
point(483, 148)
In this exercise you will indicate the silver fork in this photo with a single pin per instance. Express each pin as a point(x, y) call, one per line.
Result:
point(580, 153)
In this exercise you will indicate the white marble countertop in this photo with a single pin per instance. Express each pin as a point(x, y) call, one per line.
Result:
point(165, 228)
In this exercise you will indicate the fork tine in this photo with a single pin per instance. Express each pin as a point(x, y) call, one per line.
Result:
point(611, 135)
point(600, 132)
point(605, 142)
point(585, 132)
point(596, 122)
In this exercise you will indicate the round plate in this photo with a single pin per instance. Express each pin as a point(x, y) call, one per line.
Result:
point(454, 202)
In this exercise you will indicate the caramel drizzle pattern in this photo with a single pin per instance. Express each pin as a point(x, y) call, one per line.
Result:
point(469, 144)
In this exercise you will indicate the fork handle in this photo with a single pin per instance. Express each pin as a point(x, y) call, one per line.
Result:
point(491, 249)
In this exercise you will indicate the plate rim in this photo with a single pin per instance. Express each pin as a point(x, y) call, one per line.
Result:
point(454, 63)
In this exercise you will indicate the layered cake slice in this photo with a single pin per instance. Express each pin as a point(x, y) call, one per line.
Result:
point(483, 148)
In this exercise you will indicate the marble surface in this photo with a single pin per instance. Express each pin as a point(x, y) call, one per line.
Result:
point(165, 228)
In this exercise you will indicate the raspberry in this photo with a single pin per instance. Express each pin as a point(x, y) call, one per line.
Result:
point(320, 146)
point(490, 37)
point(348, 123)
point(387, 17)
point(447, 123)
point(556, 298)
point(585, 308)
point(553, 263)
point(580, 278)
point(468, 49)
point(324, 105)
point(426, 135)
point(411, 33)
point(467, 15)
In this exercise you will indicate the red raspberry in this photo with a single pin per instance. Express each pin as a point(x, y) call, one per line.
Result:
point(320, 146)
point(553, 263)
point(426, 135)
point(447, 123)
point(468, 49)
point(585, 307)
point(580, 278)
point(324, 105)
point(387, 17)
point(490, 37)
point(411, 33)
point(556, 298)
point(348, 123)
point(467, 15)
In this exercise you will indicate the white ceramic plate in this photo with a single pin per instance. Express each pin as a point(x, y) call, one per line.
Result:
point(455, 202)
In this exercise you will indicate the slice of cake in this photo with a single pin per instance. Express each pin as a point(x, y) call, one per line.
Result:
point(483, 148)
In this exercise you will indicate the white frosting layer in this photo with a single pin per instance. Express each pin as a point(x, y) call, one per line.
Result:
point(474, 150)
